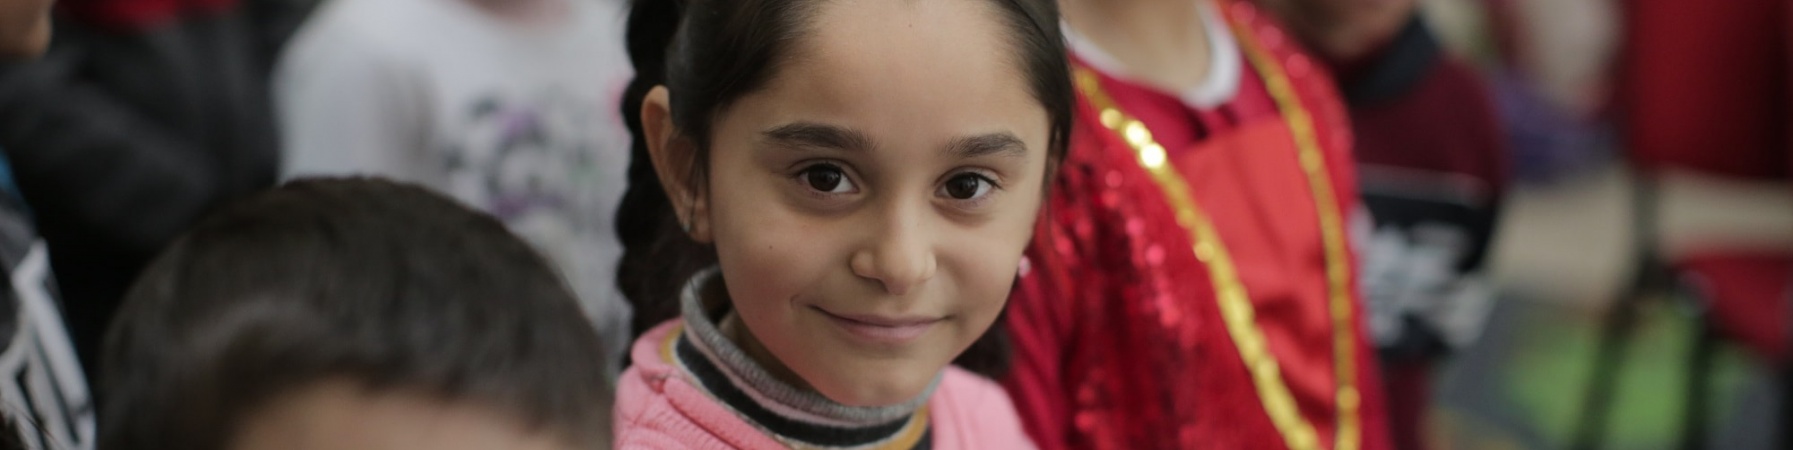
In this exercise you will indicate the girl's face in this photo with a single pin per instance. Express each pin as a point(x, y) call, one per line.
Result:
point(870, 205)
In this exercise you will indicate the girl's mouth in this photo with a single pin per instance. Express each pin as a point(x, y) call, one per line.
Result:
point(881, 329)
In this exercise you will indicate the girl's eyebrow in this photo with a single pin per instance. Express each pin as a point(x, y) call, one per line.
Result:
point(1002, 144)
point(817, 135)
point(811, 135)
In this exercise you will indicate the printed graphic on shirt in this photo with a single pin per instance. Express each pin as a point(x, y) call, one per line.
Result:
point(548, 164)
point(43, 392)
point(1422, 264)
point(533, 162)
point(523, 159)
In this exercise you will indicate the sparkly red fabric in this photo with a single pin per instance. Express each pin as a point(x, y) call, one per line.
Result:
point(1119, 342)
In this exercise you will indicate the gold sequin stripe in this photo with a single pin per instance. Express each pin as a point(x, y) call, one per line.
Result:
point(1235, 303)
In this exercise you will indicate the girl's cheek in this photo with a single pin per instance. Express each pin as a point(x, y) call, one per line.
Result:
point(988, 260)
point(773, 249)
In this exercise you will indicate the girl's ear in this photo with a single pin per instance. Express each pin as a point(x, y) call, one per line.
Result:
point(675, 162)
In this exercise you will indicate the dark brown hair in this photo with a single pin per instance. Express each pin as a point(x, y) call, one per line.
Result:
point(383, 284)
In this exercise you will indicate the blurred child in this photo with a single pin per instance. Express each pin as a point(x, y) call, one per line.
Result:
point(855, 182)
point(143, 115)
point(44, 401)
point(508, 105)
point(1432, 168)
point(1196, 287)
point(332, 314)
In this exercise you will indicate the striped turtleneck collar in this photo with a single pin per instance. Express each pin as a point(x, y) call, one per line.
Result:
point(799, 418)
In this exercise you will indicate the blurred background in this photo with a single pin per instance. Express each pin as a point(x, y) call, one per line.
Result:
point(1641, 262)
point(1631, 224)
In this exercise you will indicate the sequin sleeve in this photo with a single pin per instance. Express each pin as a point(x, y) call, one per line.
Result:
point(1041, 322)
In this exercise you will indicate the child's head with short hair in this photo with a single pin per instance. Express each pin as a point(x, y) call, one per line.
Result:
point(351, 313)
point(866, 175)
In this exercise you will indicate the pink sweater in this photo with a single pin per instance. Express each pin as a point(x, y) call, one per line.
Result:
point(658, 407)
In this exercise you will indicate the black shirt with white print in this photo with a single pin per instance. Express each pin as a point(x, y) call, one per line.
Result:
point(43, 392)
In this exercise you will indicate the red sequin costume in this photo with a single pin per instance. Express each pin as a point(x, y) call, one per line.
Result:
point(1192, 285)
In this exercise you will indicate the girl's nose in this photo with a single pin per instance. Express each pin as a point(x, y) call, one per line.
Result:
point(900, 256)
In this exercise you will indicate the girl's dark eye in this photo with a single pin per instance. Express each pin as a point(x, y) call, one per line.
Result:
point(966, 186)
point(827, 178)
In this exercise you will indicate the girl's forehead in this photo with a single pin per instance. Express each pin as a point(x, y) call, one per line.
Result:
point(891, 31)
point(903, 67)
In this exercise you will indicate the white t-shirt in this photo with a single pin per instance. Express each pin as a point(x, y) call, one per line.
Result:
point(521, 121)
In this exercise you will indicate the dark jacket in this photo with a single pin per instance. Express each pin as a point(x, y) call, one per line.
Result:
point(131, 127)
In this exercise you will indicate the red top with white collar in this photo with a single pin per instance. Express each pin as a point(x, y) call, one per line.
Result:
point(1210, 302)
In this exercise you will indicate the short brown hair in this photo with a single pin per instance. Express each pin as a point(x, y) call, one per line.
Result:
point(384, 283)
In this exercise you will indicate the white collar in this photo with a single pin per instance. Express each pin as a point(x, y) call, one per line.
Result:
point(1225, 66)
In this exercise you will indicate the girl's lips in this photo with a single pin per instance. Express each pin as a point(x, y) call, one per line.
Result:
point(885, 330)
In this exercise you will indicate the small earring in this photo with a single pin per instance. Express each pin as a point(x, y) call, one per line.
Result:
point(685, 226)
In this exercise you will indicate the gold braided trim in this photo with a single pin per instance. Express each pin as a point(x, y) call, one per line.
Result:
point(1332, 237)
point(912, 434)
point(1235, 303)
point(672, 339)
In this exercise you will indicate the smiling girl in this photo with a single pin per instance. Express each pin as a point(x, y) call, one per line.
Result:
point(828, 204)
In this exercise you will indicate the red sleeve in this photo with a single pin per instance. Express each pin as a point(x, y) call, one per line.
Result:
point(1040, 317)
point(1036, 381)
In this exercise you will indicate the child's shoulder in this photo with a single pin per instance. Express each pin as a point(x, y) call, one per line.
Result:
point(964, 383)
point(642, 392)
point(651, 353)
point(975, 412)
point(645, 417)
point(658, 408)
